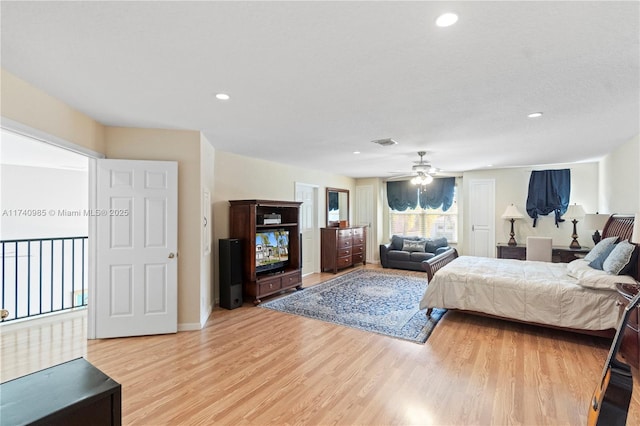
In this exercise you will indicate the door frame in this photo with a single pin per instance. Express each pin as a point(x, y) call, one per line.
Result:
point(92, 156)
point(316, 228)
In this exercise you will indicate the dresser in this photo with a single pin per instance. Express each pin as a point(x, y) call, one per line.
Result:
point(342, 247)
point(559, 254)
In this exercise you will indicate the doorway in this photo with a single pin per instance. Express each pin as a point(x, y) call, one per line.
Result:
point(308, 194)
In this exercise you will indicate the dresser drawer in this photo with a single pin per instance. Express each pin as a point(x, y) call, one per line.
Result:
point(345, 252)
point(269, 285)
point(290, 280)
point(344, 243)
point(345, 233)
point(357, 258)
point(357, 249)
point(358, 232)
point(512, 253)
point(344, 262)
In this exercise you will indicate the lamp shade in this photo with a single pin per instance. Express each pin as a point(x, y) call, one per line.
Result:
point(575, 211)
point(512, 213)
point(635, 237)
point(595, 221)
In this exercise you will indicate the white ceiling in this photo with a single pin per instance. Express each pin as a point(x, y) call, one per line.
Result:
point(311, 82)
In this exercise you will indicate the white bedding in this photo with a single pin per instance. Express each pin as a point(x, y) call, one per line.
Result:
point(540, 292)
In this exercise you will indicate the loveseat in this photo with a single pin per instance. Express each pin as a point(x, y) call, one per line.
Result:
point(409, 252)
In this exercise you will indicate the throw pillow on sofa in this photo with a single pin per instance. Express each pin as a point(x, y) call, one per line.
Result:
point(434, 244)
point(413, 245)
point(397, 241)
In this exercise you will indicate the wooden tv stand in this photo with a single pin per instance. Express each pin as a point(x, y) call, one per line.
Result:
point(244, 223)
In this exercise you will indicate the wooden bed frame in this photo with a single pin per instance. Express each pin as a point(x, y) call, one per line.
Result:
point(617, 225)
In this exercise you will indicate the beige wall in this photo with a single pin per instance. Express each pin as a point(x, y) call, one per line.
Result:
point(620, 179)
point(182, 146)
point(32, 107)
point(239, 178)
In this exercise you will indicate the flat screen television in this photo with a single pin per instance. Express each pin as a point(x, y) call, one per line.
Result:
point(272, 250)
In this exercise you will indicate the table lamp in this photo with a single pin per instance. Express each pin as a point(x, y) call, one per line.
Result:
point(574, 212)
point(512, 213)
point(596, 222)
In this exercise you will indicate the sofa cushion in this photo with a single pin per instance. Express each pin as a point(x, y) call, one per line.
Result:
point(433, 244)
point(413, 245)
point(398, 255)
point(419, 257)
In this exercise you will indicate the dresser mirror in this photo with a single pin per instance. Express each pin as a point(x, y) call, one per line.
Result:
point(337, 206)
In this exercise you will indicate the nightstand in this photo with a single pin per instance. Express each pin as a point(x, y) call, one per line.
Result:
point(630, 345)
point(559, 254)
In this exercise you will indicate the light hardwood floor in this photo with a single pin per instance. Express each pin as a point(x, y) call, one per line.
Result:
point(256, 366)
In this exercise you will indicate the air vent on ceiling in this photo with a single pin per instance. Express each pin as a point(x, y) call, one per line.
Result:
point(385, 142)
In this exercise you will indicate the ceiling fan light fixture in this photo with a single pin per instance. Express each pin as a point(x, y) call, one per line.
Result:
point(422, 179)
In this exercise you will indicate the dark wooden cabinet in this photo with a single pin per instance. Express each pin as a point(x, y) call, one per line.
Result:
point(72, 393)
point(246, 220)
point(558, 254)
point(630, 346)
point(342, 247)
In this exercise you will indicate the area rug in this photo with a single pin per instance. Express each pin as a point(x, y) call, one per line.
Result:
point(372, 300)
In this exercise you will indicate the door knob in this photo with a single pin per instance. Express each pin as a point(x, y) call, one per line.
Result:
point(171, 255)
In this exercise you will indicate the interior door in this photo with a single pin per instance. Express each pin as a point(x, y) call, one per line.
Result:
point(365, 216)
point(482, 217)
point(136, 243)
point(308, 226)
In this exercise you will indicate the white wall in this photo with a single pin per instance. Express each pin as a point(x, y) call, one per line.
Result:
point(620, 179)
point(512, 186)
point(207, 183)
point(56, 192)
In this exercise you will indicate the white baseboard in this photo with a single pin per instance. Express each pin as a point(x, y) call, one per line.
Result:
point(189, 326)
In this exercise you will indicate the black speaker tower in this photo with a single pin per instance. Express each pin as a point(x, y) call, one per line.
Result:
point(230, 273)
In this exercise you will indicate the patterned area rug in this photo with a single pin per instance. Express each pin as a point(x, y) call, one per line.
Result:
point(384, 302)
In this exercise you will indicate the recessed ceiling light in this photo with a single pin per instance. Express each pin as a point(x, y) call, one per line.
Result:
point(446, 19)
point(535, 115)
point(222, 96)
point(356, 152)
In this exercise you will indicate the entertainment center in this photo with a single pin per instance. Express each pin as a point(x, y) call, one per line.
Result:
point(270, 237)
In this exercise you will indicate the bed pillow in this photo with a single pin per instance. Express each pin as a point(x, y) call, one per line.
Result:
point(600, 280)
point(619, 260)
point(413, 245)
point(599, 248)
point(598, 262)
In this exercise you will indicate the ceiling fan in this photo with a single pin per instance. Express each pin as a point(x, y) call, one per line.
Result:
point(422, 171)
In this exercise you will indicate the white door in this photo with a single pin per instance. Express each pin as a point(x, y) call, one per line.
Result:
point(482, 217)
point(136, 243)
point(308, 226)
point(365, 216)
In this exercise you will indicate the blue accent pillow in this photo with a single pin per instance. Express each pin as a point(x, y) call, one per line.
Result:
point(599, 248)
point(619, 259)
point(598, 262)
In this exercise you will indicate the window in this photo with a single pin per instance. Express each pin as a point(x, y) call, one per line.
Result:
point(430, 223)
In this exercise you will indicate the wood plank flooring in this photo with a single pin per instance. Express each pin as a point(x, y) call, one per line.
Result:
point(256, 366)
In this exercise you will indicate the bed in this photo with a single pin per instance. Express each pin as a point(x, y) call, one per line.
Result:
point(569, 296)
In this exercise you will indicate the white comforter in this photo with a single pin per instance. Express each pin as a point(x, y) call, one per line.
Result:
point(539, 292)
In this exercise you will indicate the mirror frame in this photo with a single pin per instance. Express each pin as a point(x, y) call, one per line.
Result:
point(336, 224)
